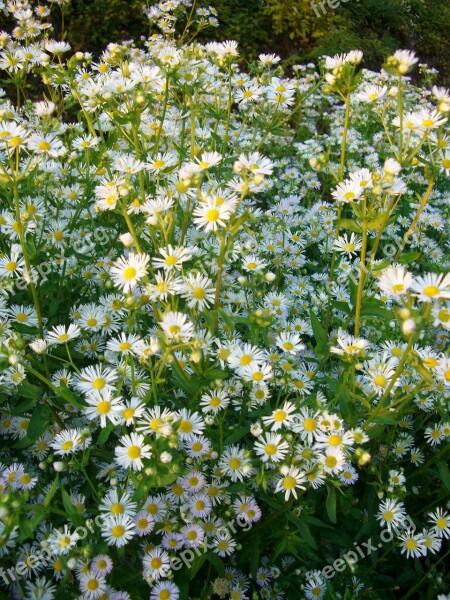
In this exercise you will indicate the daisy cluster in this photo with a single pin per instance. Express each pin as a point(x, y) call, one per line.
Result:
point(224, 316)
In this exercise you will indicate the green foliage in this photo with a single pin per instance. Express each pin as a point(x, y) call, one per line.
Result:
point(92, 25)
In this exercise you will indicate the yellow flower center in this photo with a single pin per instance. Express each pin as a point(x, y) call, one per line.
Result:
point(380, 380)
point(92, 584)
point(99, 383)
point(170, 261)
point(279, 416)
point(270, 449)
point(198, 293)
point(128, 413)
point(331, 461)
point(430, 362)
point(289, 482)
point(134, 452)
point(64, 541)
point(245, 360)
point(129, 273)
point(186, 426)
point(118, 531)
point(334, 440)
point(103, 407)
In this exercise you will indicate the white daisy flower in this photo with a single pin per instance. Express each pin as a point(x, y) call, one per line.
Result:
point(126, 272)
point(131, 451)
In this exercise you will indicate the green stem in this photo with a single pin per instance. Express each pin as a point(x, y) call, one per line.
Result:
point(339, 211)
point(416, 218)
point(220, 264)
point(400, 112)
point(362, 275)
point(26, 257)
point(163, 116)
point(131, 229)
point(344, 136)
point(398, 372)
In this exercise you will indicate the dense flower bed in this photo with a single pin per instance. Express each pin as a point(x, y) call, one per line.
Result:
point(224, 319)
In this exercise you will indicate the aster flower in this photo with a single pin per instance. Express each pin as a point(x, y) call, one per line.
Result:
point(131, 451)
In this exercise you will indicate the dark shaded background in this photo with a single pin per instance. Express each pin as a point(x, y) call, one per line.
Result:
point(288, 27)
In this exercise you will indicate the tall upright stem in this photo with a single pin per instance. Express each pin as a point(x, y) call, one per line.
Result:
point(339, 209)
point(362, 273)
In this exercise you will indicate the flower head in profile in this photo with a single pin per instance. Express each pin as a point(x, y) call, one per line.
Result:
point(401, 62)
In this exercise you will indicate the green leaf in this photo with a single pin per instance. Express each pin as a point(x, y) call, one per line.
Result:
point(226, 319)
point(236, 435)
point(85, 459)
point(38, 424)
point(23, 407)
point(331, 504)
point(343, 397)
point(51, 492)
point(197, 565)
point(348, 224)
point(72, 513)
point(28, 390)
point(304, 530)
point(444, 473)
point(27, 527)
point(371, 307)
point(384, 420)
point(167, 479)
point(375, 223)
point(280, 548)
point(218, 564)
point(317, 522)
point(104, 434)
point(342, 306)
point(68, 396)
point(319, 334)
point(408, 257)
point(213, 374)
point(254, 552)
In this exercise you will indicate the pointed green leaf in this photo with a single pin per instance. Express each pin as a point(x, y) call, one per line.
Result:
point(319, 334)
point(331, 504)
